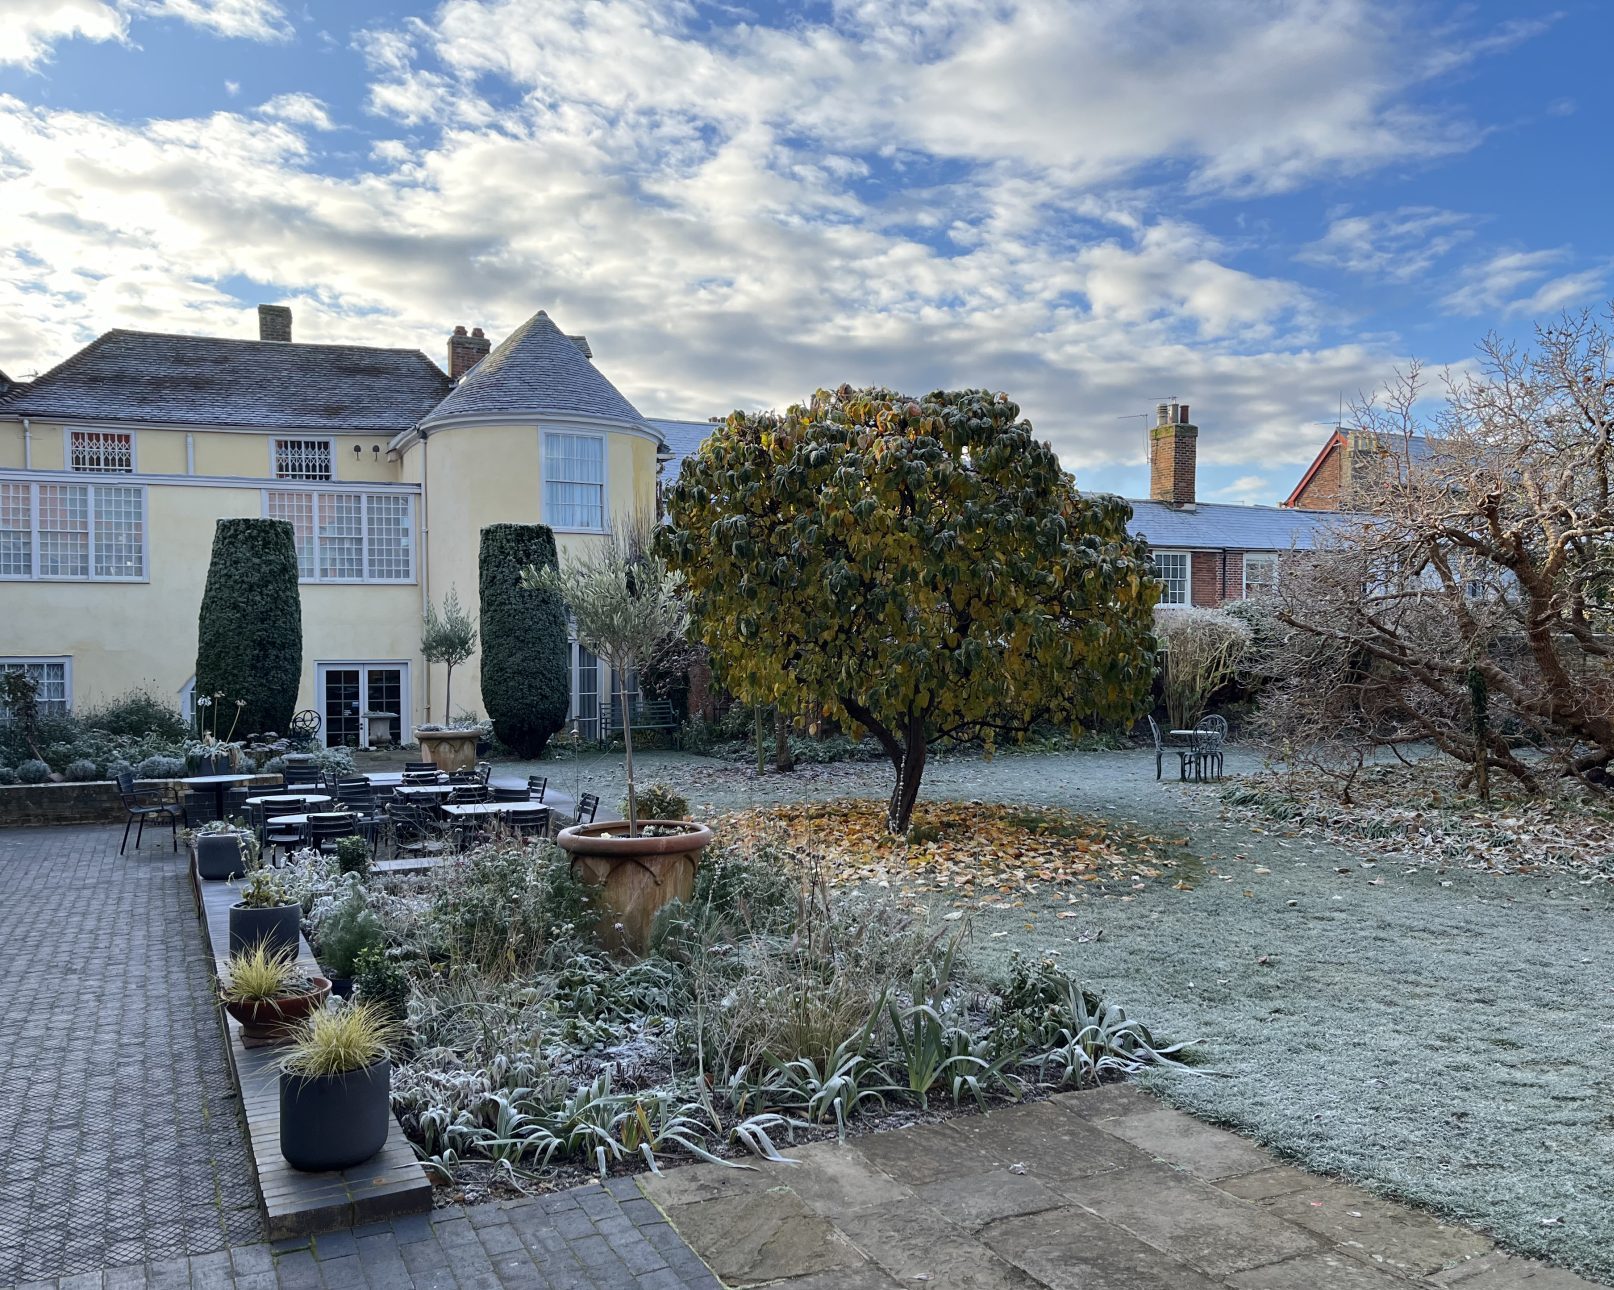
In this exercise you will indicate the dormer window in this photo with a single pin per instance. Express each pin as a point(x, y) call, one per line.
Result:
point(303, 459)
point(101, 452)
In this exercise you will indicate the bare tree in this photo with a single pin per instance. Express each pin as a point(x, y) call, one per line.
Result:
point(1472, 607)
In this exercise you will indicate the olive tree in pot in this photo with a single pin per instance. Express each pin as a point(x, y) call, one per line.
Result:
point(267, 914)
point(336, 1088)
point(625, 603)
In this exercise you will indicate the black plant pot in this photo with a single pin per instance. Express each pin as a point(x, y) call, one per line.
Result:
point(341, 986)
point(218, 856)
point(279, 926)
point(335, 1121)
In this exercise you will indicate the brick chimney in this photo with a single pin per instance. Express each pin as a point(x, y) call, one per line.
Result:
point(274, 322)
point(465, 352)
point(1173, 456)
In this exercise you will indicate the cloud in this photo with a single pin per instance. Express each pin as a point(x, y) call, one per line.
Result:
point(32, 28)
point(1246, 488)
point(298, 109)
point(1523, 284)
point(1002, 193)
point(263, 20)
point(1399, 245)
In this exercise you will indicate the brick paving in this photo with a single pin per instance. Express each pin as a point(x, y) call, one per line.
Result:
point(120, 1134)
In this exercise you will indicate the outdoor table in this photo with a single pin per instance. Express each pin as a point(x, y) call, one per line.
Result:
point(426, 790)
point(388, 778)
point(494, 808)
point(301, 821)
point(219, 784)
point(277, 799)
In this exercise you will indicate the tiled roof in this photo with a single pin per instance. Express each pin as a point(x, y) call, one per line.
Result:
point(1214, 525)
point(536, 369)
point(683, 439)
point(203, 380)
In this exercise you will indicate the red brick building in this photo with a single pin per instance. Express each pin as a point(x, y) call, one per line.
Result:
point(1208, 553)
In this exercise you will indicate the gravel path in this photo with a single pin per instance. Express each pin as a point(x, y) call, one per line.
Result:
point(1442, 1037)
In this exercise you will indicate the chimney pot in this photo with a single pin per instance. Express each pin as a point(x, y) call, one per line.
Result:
point(274, 322)
point(475, 331)
point(465, 352)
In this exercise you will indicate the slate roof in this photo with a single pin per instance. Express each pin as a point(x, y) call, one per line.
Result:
point(536, 369)
point(1219, 526)
point(203, 380)
point(683, 439)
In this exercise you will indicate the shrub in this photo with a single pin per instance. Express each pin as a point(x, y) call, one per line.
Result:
point(526, 660)
point(659, 802)
point(381, 983)
point(353, 855)
point(334, 761)
point(161, 768)
point(7, 775)
point(82, 772)
point(118, 766)
point(137, 712)
point(250, 629)
point(1202, 650)
point(505, 907)
point(344, 926)
point(33, 771)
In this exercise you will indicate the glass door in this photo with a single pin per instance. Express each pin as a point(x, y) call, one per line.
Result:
point(339, 706)
point(346, 691)
point(586, 692)
point(384, 692)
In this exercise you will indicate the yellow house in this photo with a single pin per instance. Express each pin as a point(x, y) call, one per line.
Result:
point(115, 465)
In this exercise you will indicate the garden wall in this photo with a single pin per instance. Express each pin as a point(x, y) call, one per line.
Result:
point(94, 803)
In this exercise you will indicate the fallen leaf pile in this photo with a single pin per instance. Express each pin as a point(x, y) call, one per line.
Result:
point(980, 853)
point(1419, 815)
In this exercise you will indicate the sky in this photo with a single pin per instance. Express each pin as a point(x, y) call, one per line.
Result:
point(1258, 207)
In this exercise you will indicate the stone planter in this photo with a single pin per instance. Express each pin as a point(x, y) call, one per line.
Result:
point(335, 1121)
point(218, 857)
point(634, 877)
point(272, 1021)
point(448, 750)
point(378, 729)
point(279, 926)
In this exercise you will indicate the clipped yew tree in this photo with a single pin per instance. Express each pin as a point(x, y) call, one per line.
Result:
point(924, 564)
point(249, 634)
point(526, 662)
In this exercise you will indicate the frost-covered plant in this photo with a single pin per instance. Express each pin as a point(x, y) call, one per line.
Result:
point(81, 771)
point(343, 926)
point(382, 982)
point(7, 775)
point(33, 771)
point(503, 907)
point(659, 802)
point(160, 767)
point(1201, 651)
point(265, 889)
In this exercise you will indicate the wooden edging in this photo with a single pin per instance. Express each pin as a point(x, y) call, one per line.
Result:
point(388, 1185)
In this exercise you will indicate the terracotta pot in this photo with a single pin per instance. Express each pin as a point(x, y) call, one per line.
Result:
point(280, 1013)
point(635, 877)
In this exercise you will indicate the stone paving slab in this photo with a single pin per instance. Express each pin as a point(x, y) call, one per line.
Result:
point(1101, 1190)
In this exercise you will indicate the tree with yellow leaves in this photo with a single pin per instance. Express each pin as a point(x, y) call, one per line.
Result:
point(926, 564)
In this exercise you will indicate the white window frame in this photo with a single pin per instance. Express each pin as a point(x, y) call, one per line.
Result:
point(604, 485)
point(365, 498)
point(11, 661)
point(67, 451)
point(330, 454)
point(363, 666)
point(1261, 557)
point(1187, 579)
point(90, 575)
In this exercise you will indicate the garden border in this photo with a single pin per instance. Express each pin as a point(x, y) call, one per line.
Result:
point(389, 1185)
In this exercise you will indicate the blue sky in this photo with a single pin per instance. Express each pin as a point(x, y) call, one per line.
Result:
point(1253, 205)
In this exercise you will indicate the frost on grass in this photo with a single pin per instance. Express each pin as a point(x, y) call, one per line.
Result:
point(1422, 814)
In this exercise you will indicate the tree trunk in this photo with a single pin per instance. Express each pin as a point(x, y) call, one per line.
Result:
point(756, 735)
point(909, 772)
point(627, 750)
point(783, 759)
point(448, 696)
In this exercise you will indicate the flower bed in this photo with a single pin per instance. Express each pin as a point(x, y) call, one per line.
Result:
point(769, 1008)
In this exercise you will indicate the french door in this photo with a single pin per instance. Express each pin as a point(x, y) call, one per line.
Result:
point(348, 690)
